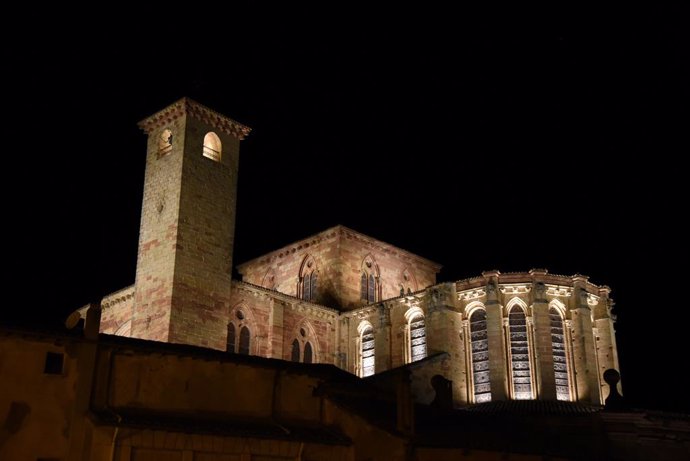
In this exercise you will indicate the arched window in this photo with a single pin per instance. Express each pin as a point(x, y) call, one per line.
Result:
point(239, 331)
point(367, 351)
point(408, 283)
point(417, 336)
point(307, 353)
point(369, 284)
point(306, 291)
point(560, 362)
point(480, 356)
point(306, 288)
point(165, 143)
point(231, 338)
point(295, 354)
point(363, 286)
point(519, 354)
point(244, 341)
point(304, 344)
point(212, 146)
point(313, 285)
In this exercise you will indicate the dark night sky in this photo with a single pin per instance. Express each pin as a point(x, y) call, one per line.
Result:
point(474, 142)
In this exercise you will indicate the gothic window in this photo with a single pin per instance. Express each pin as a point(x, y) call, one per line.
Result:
point(371, 294)
point(560, 362)
point(307, 285)
point(306, 291)
point(408, 283)
point(165, 143)
point(244, 341)
point(367, 351)
point(231, 338)
point(303, 345)
point(363, 286)
point(313, 286)
point(307, 353)
point(479, 343)
point(239, 333)
point(417, 334)
point(212, 146)
point(369, 283)
point(295, 355)
point(519, 354)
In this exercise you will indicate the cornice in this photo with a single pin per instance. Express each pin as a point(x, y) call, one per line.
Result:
point(186, 106)
point(296, 304)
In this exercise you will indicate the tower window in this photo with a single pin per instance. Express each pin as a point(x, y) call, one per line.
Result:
point(479, 343)
point(212, 146)
point(165, 143)
point(519, 354)
point(54, 363)
point(560, 361)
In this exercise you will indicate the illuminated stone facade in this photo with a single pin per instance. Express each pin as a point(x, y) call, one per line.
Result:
point(340, 297)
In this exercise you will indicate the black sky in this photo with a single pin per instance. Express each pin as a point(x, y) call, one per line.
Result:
point(534, 141)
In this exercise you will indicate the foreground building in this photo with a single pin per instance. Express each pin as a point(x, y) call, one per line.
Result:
point(190, 364)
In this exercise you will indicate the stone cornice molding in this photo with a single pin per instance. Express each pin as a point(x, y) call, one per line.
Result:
point(338, 232)
point(292, 302)
point(118, 297)
point(186, 106)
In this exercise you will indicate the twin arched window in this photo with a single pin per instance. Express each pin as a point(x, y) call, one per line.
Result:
point(239, 335)
point(302, 349)
point(368, 288)
point(307, 284)
point(212, 147)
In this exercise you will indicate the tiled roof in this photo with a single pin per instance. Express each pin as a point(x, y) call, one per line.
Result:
point(532, 407)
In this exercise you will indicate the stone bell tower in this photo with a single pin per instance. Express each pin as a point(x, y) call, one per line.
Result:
point(184, 262)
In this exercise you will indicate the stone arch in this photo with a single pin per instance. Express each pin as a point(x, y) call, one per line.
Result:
point(125, 329)
point(560, 307)
point(366, 349)
point(309, 336)
point(241, 316)
point(269, 280)
point(307, 279)
point(408, 282)
point(516, 301)
point(370, 280)
point(415, 334)
point(473, 306)
point(213, 148)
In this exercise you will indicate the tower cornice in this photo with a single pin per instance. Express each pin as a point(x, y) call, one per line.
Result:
point(186, 106)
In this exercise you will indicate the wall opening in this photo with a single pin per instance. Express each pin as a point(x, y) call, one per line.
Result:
point(519, 354)
point(165, 143)
point(560, 361)
point(212, 146)
point(480, 356)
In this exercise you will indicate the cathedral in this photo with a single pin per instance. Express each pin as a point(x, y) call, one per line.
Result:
point(341, 297)
point(338, 347)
